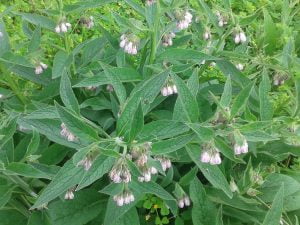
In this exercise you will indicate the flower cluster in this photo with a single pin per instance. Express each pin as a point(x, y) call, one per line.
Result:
point(69, 194)
point(167, 39)
point(124, 198)
point(184, 201)
point(240, 37)
point(239, 66)
point(221, 19)
point(129, 43)
point(184, 19)
point(169, 89)
point(165, 162)
point(241, 148)
point(150, 2)
point(62, 27)
point(210, 154)
point(279, 79)
point(120, 172)
point(87, 22)
point(40, 67)
point(66, 133)
point(86, 163)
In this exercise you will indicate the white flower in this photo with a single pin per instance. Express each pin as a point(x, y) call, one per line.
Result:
point(215, 159)
point(150, 2)
point(43, 65)
point(38, 70)
point(174, 89)
point(240, 66)
point(167, 39)
point(122, 43)
point(187, 201)
point(1, 96)
point(86, 163)
point(120, 172)
point(185, 20)
point(243, 37)
point(237, 39)
point(207, 35)
point(181, 203)
point(63, 27)
point(164, 91)
point(184, 201)
point(233, 186)
point(124, 198)
point(153, 170)
point(241, 149)
point(69, 195)
point(129, 44)
point(205, 157)
point(57, 29)
point(164, 162)
point(66, 133)
point(169, 90)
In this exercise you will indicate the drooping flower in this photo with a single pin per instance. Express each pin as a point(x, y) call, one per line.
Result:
point(207, 35)
point(66, 133)
point(240, 37)
point(169, 89)
point(129, 42)
point(120, 172)
point(167, 39)
point(150, 2)
point(164, 162)
point(210, 154)
point(86, 163)
point(87, 22)
point(124, 198)
point(222, 20)
point(240, 66)
point(40, 67)
point(240, 144)
point(184, 201)
point(69, 194)
point(62, 27)
point(184, 19)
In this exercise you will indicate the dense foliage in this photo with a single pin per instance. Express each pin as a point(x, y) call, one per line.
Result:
point(149, 112)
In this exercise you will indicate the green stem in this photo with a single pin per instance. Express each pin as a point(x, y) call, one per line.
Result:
point(154, 35)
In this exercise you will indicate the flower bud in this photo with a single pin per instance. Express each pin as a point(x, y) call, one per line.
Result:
point(205, 157)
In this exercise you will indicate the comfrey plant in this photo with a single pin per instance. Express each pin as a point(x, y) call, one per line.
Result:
point(142, 114)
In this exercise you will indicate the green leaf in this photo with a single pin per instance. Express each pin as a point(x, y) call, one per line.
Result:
point(162, 129)
point(67, 177)
point(201, 205)
point(193, 83)
point(115, 82)
point(83, 208)
point(271, 34)
point(34, 143)
point(227, 93)
point(26, 170)
point(235, 75)
point(67, 95)
point(203, 133)
point(11, 216)
point(35, 40)
point(211, 172)
point(266, 107)
point(184, 54)
point(241, 100)
point(61, 64)
point(78, 126)
point(100, 166)
point(187, 100)
point(297, 87)
point(38, 20)
point(226, 150)
point(172, 144)
point(129, 218)
point(123, 73)
point(274, 214)
point(5, 194)
point(4, 46)
point(38, 218)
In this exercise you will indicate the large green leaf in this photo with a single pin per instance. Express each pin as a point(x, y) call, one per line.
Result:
point(241, 100)
point(271, 34)
point(203, 212)
point(265, 106)
point(61, 64)
point(185, 54)
point(68, 176)
point(84, 207)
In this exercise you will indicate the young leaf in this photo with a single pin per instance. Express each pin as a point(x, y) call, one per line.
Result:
point(67, 95)
point(4, 46)
point(61, 64)
point(34, 143)
point(266, 108)
point(211, 172)
point(227, 93)
point(274, 214)
point(35, 40)
point(187, 100)
point(241, 100)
